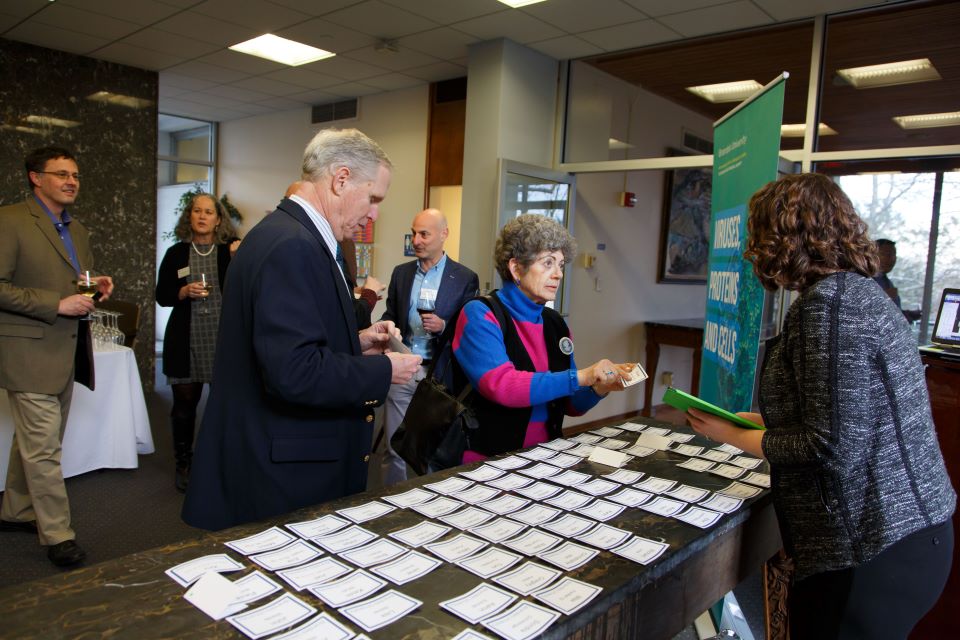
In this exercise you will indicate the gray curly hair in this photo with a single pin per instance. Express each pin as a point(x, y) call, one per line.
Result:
point(351, 148)
point(223, 233)
point(527, 236)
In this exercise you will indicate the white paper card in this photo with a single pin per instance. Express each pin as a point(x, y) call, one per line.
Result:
point(470, 634)
point(598, 487)
point(254, 586)
point(540, 470)
point(314, 573)
point(538, 453)
point(381, 550)
point(687, 493)
point(640, 451)
point(321, 526)
point(356, 586)
point(289, 556)
point(641, 550)
point(569, 500)
point(630, 497)
point(688, 450)
point(482, 474)
point(727, 470)
point(624, 476)
point(533, 542)
point(215, 596)
point(681, 437)
point(658, 431)
point(604, 537)
point(721, 502)
point(664, 506)
point(439, 507)
point(278, 614)
point(614, 444)
point(409, 498)
point(476, 494)
point(703, 518)
point(348, 538)
point(746, 462)
point(456, 548)
point(653, 441)
point(634, 376)
point(716, 456)
point(536, 514)
point(272, 538)
point(656, 485)
point(499, 529)
point(382, 610)
point(406, 568)
point(505, 504)
point(759, 479)
point(451, 485)
point(482, 601)
point(602, 510)
point(739, 490)
point(510, 462)
point(568, 595)
point(186, 572)
point(564, 460)
point(420, 534)
point(490, 562)
point(510, 482)
point(365, 512)
point(607, 432)
point(569, 556)
point(729, 448)
point(527, 578)
point(321, 627)
point(570, 478)
point(697, 464)
point(539, 490)
point(522, 621)
point(586, 438)
point(608, 457)
point(583, 450)
point(558, 445)
point(570, 525)
point(468, 518)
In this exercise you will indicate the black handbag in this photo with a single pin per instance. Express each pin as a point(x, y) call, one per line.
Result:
point(436, 426)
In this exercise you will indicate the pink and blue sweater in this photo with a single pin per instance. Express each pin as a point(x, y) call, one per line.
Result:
point(481, 352)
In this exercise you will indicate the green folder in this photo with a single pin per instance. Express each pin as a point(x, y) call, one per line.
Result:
point(683, 401)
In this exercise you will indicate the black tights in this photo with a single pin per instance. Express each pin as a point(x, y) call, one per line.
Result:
point(183, 416)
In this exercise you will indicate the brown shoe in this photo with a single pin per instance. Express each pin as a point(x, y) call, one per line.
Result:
point(9, 526)
point(66, 553)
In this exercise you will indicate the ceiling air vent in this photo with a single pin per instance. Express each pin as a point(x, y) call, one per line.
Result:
point(343, 110)
point(696, 143)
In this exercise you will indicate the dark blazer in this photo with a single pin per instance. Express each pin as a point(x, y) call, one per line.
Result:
point(289, 420)
point(457, 285)
point(176, 337)
point(39, 348)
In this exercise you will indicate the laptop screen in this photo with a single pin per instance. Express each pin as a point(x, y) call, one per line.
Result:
point(946, 332)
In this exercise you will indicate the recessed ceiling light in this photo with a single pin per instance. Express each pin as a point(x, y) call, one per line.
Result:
point(928, 120)
point(520, 3)
point(727, 91)
point(797, 130)
point(44, 121)
point(281, 50)
point(120, 99)
point(890, 74)
point(619, 144)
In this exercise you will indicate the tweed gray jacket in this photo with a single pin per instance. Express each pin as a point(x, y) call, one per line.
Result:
point(855, 464)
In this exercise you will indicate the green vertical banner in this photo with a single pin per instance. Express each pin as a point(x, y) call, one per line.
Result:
point(746, 146)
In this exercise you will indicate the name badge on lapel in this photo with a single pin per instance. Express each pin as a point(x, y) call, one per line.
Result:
point(183, 273)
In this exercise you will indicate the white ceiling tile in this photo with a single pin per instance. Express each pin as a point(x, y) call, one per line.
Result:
point(315, 97)
point(575, 16)
point(169, 91)
point(262, 16)
point(566, 47)
point(354, 89)
point(141, 12)
point(211, 100)
point(327, 36)
point(192, 109)
point(25, 8)
point(304, 78)
point(727, 17)
point(55, 38)
point(630, 36)
point(392, 61)
point(312, 7)
point(657, 8)
point(443, 43)
point(134, 56)
point(346, 68)
point(92, 24)
point(281, 104)
point(170, 43)
point(515, 25)
point(438, 71)
point(242, 62)
point(393, 81)
point(208, 72)
point(380, 20)
point(447, 12)
point(252, 109)
point(205, 29)
point(237, 94)
point(791, 10)
point(187, 83)
point(268, 86)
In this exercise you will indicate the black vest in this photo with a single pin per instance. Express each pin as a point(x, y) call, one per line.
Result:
point(501, 428)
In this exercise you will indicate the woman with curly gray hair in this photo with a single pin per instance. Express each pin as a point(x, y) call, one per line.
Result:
point(524, 375)
point(190, 280)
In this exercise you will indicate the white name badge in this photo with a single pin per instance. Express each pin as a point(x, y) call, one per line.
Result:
point(183, 273)
point(428, 294)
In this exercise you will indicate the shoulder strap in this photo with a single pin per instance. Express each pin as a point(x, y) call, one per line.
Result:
point(446, 338)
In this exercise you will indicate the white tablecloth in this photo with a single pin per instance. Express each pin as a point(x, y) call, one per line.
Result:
point(106, 428)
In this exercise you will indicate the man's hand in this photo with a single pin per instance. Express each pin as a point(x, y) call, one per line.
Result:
point(104, 286)
point(375, 338)
point(433, 323)
point(75, 305)
point(405, 366)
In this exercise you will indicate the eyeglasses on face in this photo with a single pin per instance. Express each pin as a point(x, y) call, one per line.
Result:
point(63, 175)
point(549, 263)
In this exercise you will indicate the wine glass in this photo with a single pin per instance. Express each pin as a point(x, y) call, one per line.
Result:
point(86, 286)
point(207, 285)
point(424, 306)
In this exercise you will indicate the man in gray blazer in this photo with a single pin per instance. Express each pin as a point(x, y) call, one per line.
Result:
point(423, 295)
point(43, 345)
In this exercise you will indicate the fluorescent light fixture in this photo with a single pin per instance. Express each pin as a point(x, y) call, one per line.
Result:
point(44, 121)
point(727, 91)
point(516, 4)
point(928, 120)
point(281, 50)
point(890, 74)
point(120, 99)
point(797, 130)
point(615, 144)
point(878, 173)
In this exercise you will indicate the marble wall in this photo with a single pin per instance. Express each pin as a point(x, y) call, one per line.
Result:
point(116, 150)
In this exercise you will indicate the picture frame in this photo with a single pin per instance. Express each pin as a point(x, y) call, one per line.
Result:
point(408, 245)
point(685, 225)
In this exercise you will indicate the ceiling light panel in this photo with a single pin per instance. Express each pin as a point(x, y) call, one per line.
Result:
point(928, 120)
point(726, 91)
point(289, 52)
point(890, 74)
point(516, 4)
point(798, 130)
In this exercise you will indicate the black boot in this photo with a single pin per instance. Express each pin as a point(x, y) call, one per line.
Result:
point(182, 452)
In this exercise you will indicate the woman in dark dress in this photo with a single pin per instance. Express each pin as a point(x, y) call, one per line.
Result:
point(191, 281)
point(859, 485)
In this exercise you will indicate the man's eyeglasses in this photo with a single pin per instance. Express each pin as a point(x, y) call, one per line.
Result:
point(63, 175)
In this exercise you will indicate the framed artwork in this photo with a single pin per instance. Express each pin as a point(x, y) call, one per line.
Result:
point(408, 245)
point(364, 234)
point(364, 260)
point(685, 227)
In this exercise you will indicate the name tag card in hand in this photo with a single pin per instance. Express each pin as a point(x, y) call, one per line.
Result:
point(637, 374)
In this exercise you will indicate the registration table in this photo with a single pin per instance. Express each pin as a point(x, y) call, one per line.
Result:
point(132, 596)
point(106, 428)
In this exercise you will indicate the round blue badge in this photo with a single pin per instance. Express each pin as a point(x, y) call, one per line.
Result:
point(566, 346)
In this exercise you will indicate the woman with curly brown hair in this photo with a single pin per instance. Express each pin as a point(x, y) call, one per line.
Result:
point(859, 484)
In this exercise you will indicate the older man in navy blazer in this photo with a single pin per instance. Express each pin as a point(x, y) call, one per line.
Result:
point(289, 419)
point(423, 295)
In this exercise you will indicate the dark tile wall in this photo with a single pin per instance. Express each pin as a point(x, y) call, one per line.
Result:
point(116, 150)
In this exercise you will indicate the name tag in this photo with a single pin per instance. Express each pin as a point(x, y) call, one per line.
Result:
point(183, 273)
point(428, 294)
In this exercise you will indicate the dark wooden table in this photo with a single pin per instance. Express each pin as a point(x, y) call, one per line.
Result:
point(131, 596)
point(687, 333)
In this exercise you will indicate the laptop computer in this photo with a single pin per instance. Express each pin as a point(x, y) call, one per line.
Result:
point(945, 340)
